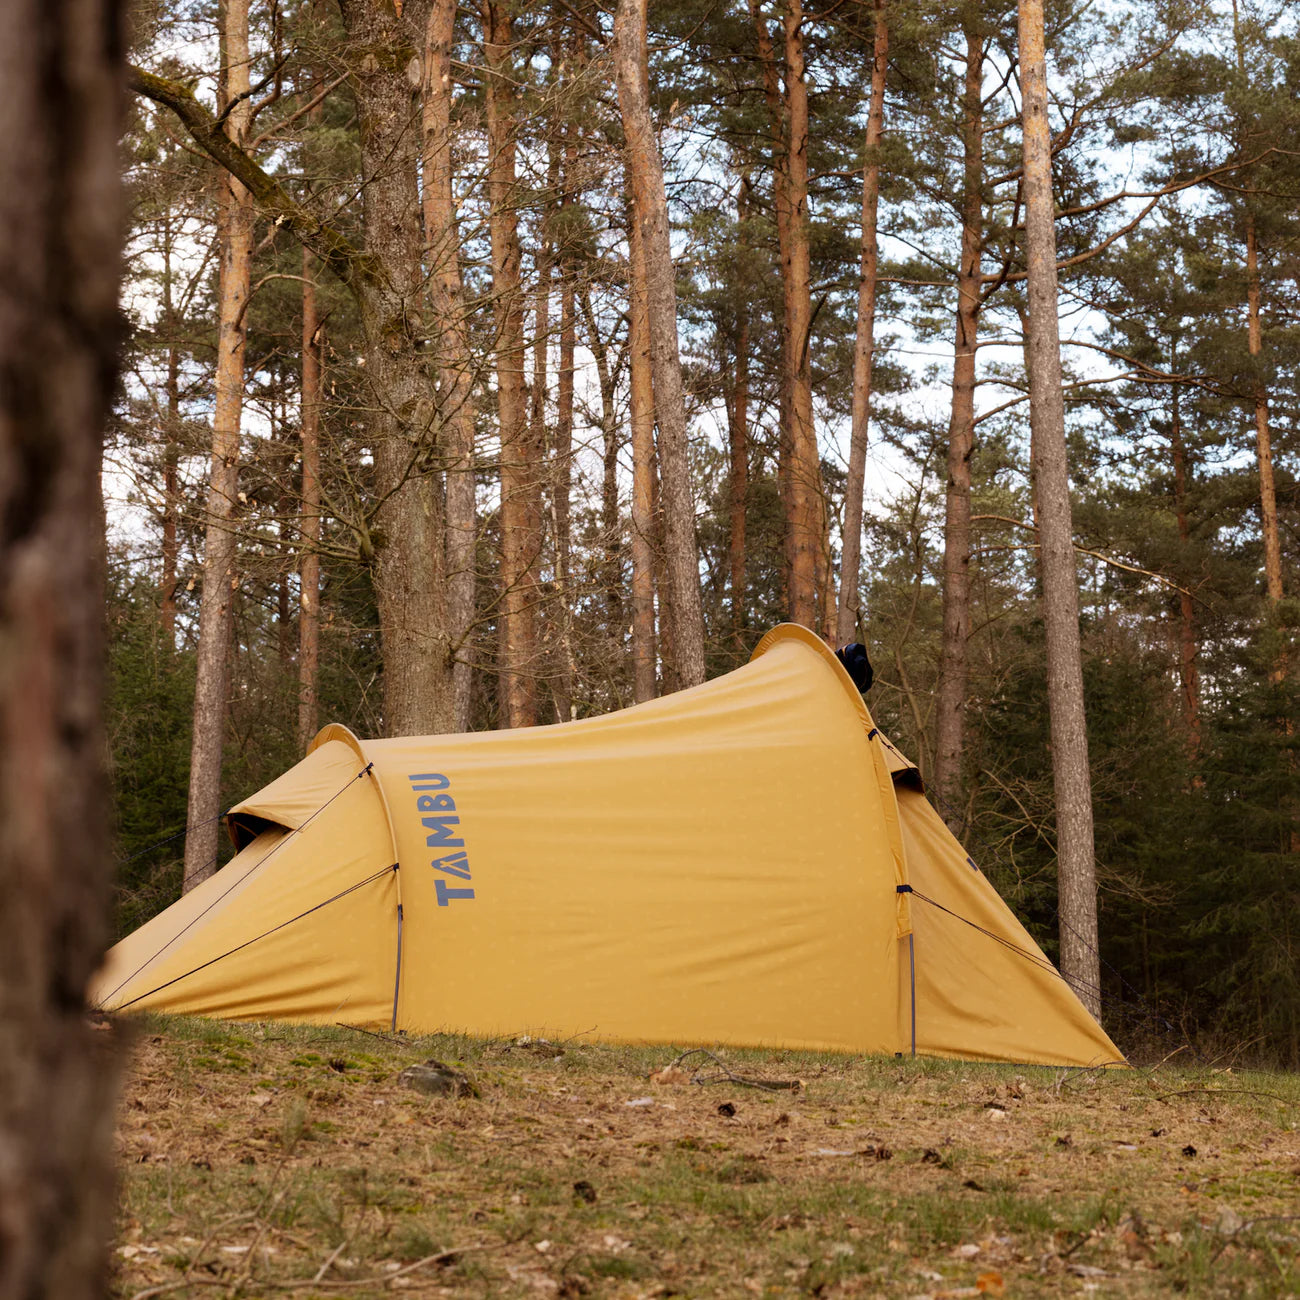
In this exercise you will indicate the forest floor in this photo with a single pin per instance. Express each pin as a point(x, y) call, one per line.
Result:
point(269, 1160)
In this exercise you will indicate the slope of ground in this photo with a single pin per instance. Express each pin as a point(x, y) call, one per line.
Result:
point(267, 1160)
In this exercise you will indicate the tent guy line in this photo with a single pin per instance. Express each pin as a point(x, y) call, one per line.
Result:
point(266, 934)
point(233, 885)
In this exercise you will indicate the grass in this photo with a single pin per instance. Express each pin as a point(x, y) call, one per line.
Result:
point(268, 1160)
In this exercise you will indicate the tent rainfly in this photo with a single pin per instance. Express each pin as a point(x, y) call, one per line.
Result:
point(748, 862)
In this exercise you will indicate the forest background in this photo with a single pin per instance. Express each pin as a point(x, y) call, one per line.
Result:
point(404, 442)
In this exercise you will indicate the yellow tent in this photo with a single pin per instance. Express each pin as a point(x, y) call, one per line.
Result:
point(748, 862)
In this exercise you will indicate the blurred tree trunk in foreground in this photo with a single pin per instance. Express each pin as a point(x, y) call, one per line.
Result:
point(60, 209)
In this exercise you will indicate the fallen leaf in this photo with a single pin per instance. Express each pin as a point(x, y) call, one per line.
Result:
point(727, 1109)
point(990, 1284)
point(669, 1076)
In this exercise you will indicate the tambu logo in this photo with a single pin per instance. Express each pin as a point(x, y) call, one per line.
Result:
point(441, 823)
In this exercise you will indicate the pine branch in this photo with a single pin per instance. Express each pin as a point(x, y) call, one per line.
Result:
point(352, 265)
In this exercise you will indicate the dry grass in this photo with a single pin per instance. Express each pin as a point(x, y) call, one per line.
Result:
point(267, 1160)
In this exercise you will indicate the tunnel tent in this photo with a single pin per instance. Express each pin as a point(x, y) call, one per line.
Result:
point(749, 862)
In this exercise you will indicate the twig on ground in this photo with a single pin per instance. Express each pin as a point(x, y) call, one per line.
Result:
point(333, 1255)
point(1170, 1057)
point(1220, 1092)
point(298, 1284)
point(385, 1038)
point(1082, 1069)
point(383, 1279)
point(727, 1076)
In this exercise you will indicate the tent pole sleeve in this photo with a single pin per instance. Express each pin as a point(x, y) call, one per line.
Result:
point(397, 864)
point(911, 962)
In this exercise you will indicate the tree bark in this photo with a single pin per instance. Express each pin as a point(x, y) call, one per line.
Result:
point(650, 206)
point(309, 543)
point(611, 575)
point(171, 450)
point(220, 583)
point(776, 111)
point(643, 468)
point(1076, 866)
point(864, 342)
point(738, 441)
point(520, 513)
point(809, 572)
point(456, 410)
point(950, 704)
point(409, 538)
point(61, 213)
point(561, 487)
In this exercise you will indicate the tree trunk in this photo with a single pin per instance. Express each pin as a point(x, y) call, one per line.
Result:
point(643, 468)
point(171, 450)
point(1076, 867)
point(561, 487)
point(650, 206)
point(738, 430)
point(455, 371)
point(408, 542)
point(520, 517)
point(216, 605)
point(1263, 438)
point(776, 110)
point(612, 567)
point(544, 262)
point(61, 213)
point(309, 544)
point(950, 704)
point(850, 607)
point(1188, 674)
point(809, 574)
point(286, 632)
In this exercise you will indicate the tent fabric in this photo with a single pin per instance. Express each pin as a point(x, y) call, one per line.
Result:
point(740, 863)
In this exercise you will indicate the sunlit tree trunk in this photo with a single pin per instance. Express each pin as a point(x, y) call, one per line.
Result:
point(171, 447)
point(643, 468)
point(809, 572)
point(650, 207)
point(561, 486)
point(216, 603)
point(1076, 867)
point(60, 257)
point(611, 573)
point(864, 342)
point(450, 327)
point(408, 542)
point(738, 441)
point(309, 545)
point(950, 704)
point(520, 517)
point(781, 207)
